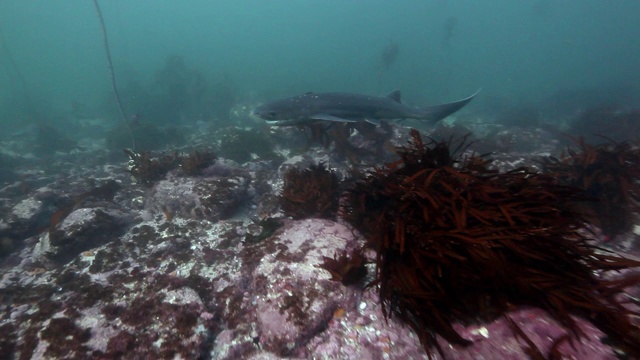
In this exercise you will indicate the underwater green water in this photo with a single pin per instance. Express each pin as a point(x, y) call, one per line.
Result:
point(52, 52)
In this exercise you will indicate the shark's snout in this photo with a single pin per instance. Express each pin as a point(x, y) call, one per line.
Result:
point(265, 113)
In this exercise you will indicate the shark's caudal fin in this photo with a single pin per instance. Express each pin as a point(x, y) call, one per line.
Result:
point(439, 112)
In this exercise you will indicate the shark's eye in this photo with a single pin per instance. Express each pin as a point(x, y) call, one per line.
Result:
point(272, 113)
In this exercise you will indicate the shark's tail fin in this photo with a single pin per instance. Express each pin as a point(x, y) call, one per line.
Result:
point(439, 112)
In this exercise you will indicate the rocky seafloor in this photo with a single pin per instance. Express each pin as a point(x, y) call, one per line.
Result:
point(97, 265)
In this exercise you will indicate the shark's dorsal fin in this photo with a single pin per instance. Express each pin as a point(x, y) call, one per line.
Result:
point(394, 95)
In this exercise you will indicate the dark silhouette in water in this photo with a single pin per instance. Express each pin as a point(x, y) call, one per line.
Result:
point(448, 30)
point(388, 56)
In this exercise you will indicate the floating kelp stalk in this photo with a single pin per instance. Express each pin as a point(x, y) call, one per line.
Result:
point(111, 72)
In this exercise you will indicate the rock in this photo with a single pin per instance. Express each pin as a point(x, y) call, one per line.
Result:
point(199, 285)
point(213, 199)
point(82, 230)
point(294, 298)
point(25, 218)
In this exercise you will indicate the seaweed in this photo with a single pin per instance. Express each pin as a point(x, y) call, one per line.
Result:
point(312, 192)
point(608, 173)
point(347, 268)
point(459, 242)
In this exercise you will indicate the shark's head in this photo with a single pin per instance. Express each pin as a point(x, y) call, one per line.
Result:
point(282, 112)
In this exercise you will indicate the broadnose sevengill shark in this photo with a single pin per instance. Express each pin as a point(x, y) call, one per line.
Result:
point(350, 108)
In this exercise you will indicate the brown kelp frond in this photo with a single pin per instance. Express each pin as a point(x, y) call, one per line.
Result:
point(532, 349)
point(457, 241)
point(609, 173)
point(347, 268)
point(311, 192)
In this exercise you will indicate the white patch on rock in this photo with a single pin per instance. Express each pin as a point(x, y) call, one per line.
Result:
point(182, 296)
point(26, 208)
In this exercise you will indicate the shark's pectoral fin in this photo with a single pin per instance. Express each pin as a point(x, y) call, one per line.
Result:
point(327, 117)
point(374, 121)
point(439, 112)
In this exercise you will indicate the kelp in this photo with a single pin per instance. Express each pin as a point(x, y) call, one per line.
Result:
point(610, 174)
point(459, 242)
point(310, 192)
point(348, 268)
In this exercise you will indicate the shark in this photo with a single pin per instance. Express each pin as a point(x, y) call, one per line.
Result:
point(351, 108)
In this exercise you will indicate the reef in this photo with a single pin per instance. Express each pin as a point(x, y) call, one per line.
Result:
point(149, 169)
point(457, 241)
point(242, 145)
point(190, 254)
point(194, 163)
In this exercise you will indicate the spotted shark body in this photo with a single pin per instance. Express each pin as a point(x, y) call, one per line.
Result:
point(350, 108)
